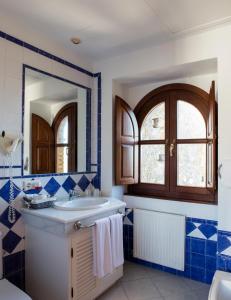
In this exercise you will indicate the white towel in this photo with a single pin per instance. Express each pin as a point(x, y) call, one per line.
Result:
point(102, 248)
point(117, 240)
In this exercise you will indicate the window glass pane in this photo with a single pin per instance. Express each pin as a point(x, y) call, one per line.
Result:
point(62, 159)
point(62, 132)
point(153, 127)
point(191, 165)
point(190, 122)
point(152, 165)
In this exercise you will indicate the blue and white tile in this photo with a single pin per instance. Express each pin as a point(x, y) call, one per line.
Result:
point(203, 229)
point(128, 219)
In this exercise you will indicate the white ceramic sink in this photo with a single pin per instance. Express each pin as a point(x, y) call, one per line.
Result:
point(221, 286)
point(81, 203)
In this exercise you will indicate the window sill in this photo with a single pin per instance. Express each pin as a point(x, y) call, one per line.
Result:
point(197, 199)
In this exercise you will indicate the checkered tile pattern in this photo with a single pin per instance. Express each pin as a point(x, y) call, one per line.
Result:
point(224, 243)
point(202, 229)
point(13, 235)
point(200, 248)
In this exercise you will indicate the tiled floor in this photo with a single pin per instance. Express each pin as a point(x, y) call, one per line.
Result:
point(142, 283)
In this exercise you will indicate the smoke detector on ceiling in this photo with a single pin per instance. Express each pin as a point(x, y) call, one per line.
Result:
point(75, 40)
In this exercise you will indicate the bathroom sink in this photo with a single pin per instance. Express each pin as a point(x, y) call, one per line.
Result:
point(81, 203)
point(221, 286)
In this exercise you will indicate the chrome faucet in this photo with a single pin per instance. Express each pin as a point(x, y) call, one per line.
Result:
point(73, 193)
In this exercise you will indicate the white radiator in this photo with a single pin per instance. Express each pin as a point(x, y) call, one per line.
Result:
point(159, 238)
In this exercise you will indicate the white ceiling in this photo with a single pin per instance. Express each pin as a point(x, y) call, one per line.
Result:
point(109, 28)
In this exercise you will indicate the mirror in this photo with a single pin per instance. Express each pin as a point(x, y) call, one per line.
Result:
point(55, 124)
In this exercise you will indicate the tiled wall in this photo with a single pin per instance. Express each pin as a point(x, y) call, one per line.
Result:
point(200, 250)
point(13, 234)
point(224, 251)
point(13, 54)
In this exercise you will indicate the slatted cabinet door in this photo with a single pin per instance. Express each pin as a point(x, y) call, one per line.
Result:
point(82, 278)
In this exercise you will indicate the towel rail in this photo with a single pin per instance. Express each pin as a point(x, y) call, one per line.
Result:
point(78, 225)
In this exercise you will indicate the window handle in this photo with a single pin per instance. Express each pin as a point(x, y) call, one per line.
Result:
point(171, 148)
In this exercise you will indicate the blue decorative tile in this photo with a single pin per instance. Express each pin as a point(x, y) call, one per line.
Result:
point(228, 264)
point(13, 263)
point(211, 263)
point(96, 182)
point(69, 184)
point(83, 183)
point(52, 187)
point(211, 248)
point(5, 191)
point(4, 218)
point(198, 245)
point(200, 253)
point(221, 263)
point(209, 276)
point(10, 241)
point(208, 230)
point(223, 243)
point(198, 274)
point(188, 244)
point(189, 227)
point(198, 260)
point(130, 216)
point(188, 258)
point(17, 278)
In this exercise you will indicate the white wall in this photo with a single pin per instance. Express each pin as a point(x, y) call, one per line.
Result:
point(133, 94)
point(12, 58)
point(194, 48)
point(17, 28)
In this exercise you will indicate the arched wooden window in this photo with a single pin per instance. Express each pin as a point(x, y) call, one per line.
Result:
point(65, 133)
point(176, 144)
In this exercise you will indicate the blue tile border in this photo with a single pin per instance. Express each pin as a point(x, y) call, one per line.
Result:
point(200, 253)
point(88, 110)
point(37, 50)
point(44, 53)
point(14, 269)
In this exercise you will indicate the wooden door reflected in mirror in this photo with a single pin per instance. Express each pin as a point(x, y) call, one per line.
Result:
point(54, 147)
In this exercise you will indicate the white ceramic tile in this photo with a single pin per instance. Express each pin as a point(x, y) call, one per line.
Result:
point(2, 47)
point(45, 64)
point(197, 234)
point(60, 179)
point(18, 202)
point(13, 102)
point(4, 230)
point(227, 251)
point(14, 68)
point(3, 204)
point(30, 58)
point(14, 51)
point(19, 228)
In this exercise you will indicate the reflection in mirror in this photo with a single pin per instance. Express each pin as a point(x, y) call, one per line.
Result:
point(55, 125)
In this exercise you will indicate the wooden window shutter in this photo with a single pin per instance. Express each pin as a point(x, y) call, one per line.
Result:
point(212, 141)
point(126, 151)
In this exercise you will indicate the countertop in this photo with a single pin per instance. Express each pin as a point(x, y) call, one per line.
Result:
point(65, 216)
